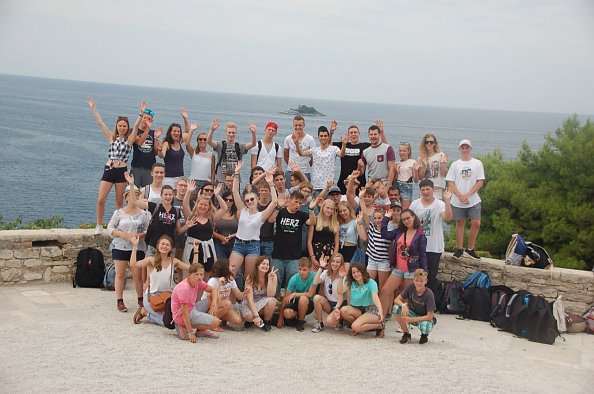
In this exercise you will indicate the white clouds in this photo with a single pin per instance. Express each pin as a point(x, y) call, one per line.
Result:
point(494, 54)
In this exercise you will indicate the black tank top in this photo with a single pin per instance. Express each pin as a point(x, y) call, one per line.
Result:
point(202, 232)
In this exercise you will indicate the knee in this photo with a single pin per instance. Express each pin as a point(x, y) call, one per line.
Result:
point(271, 304)
point(303, 300)
point(317, 299)
point(476, 223)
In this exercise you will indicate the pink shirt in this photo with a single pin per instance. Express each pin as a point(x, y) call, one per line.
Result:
point(184, 294)
point(401, 261)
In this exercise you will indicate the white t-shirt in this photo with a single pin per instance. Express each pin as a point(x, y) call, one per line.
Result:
point(323, 165)
point(433, 170)
point(431, 223)
point(330, 296)
point(224, 290)
point(248, 226)
point(267, 157)
point(201, 166)
point(405, 170)
point(465, 174)
point(307, 143)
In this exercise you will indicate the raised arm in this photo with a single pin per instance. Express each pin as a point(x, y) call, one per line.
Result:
point(273, 199)
point(188, 139)
point(139, 139)
point(186, 201)
point(272, 281)
point(253, 130)
point(361, 227)
point(99, 121)
point(236, 196)
point(344, 140)
point(223, 208)
point(184, 114)
point(351, 187)
point(296, 170)
point(134, 201)
point(379, 123)
point(213, 126)
point(142, 263)
point(385, 233)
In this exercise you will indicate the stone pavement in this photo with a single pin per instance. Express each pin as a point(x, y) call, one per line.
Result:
point(59, 339)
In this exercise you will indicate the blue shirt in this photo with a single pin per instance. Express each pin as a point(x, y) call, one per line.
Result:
point(298, 285)
point(362, 295)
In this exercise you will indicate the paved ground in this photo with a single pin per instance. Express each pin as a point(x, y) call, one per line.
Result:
point(59, 339)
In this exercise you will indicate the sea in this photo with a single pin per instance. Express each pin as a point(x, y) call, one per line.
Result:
point(53, 152)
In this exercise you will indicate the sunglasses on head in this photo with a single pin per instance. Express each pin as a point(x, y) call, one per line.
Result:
point(123, 118)
point(148, 112)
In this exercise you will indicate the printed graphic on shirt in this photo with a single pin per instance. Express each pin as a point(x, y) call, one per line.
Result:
point(466, 172)
point(426, 222)
point(289, 225)
point(380, 158)
point(147, 145)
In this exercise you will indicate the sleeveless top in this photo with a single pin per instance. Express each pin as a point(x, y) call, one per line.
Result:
point(348, 233)
point(174, 162)
point(153, 196)
point(201, 166)
point(226, 226)
point(202, 232)
point(144, 155)
point(161, 280)
point(323, 242)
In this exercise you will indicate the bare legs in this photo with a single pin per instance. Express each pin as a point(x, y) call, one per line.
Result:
point(475, 225)
point(104, 189)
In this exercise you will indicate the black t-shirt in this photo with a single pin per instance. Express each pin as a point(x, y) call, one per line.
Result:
point(348, 163)
point(287, 240)
point(267, 229)
point(163, 222)
point(144, 155)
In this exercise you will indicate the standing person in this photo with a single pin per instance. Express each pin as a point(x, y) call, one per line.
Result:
point(202, 218)
point(267, 153)
point(247, 241)
point(323, 157)
point(126, 223)
point(348, 236)
point(415, 305)
point(152, 192)
point(259, 303)
point(287, 239)
point(352, 154)
point(183, 302)
point(408, 255)
point(377, 250)
point(365, 311)
point(120, 145)
point(160, 270)
point(379, 158)
point(144, 147)
point(225, 228)
point(306, 142)
point(181, 188)
point(433, 164)
point(172, 152)
point(323, 232)
point(407, 170)
point(431, 213)
point(465, 178)
point(203, 161)
point(267, 229)
point(228, 151)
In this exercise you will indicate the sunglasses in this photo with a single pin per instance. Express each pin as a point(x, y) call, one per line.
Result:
point(229, 199)
point(330, 288)
point(430, 142)
point(201, 139)
point(250, 199)
point(208, 190)
point(148, 112)
point(406, 219)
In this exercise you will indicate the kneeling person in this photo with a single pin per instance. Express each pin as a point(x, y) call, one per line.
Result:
point(415, 305)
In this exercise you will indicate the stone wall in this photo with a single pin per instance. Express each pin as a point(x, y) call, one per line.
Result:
point(576, 287)
point(44, 256)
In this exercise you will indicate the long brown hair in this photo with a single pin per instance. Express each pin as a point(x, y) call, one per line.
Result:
point(114, 135)
point(157, 262)
point(253, 278)
point(362, 270)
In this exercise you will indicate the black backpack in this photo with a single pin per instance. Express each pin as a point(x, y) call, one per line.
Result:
point(168, 316)
point(476, 297)
point(540, 323)
point(450, 298)
point(511, 313)
point(224, 153)
point(90, 269)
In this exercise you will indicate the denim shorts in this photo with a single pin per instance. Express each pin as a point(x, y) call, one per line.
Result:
point(266, 247)
point(246, 248)
point(375, 265)
point(401, 274)
point(472, 213)
point(406, 189)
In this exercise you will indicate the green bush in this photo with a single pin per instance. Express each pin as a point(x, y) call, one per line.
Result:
point(36, 224)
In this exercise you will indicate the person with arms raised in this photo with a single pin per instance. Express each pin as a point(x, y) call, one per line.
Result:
point(228, 151)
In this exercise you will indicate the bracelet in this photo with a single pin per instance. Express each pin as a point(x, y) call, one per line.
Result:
point(236, 174)
point(362, 223)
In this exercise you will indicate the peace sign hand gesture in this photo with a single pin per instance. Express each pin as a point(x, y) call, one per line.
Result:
point(272, 273)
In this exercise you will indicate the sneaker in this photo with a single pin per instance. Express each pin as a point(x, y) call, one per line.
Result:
point(406, 337)
point(318, 327)
point(458, 253)
point(207, 334)
point(339, 326)
point(470, 253)
point(98, 229)
point(248, 324)
point(300, 326)
point(267, 326)
point(424, 339)
point(121, 306)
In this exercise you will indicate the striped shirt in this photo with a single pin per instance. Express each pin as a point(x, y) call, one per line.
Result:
point(377, 247)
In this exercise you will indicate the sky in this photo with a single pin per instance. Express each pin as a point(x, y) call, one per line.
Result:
point(521, 55)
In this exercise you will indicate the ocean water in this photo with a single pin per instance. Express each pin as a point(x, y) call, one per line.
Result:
point(53, 152)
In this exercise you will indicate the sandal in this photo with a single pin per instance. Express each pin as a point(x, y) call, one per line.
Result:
point(380, 332)
point(138, 316)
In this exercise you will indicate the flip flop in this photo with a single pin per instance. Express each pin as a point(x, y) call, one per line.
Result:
point(138, 316)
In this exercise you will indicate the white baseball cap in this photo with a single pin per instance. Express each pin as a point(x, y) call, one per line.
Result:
point(464, 142)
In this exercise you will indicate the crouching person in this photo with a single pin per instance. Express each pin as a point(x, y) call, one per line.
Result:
point(415, 305)
point(298, 302)
point(183, 302)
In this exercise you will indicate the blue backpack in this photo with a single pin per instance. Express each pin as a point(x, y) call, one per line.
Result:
point(109, 278)
point(478, 279)
point(516, 250)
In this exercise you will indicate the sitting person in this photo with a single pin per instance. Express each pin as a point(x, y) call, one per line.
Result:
point(329, 275)
point(183, 301)
point(365, 310)
point(415, 305)
point(260, 287)
point(222, 279)
point(297, 302)
point(160, 268)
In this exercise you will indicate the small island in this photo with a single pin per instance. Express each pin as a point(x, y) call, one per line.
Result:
point(303, 110)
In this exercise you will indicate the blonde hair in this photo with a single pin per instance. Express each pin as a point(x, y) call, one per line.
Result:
point(351, 211)
point(335, 256)
point(231, 125)
point(423, 149)
point(420, 273)
point(333, 226)
point(408, 148)
point(209, 213)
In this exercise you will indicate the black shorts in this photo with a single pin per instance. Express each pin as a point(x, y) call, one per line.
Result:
point(117, 254)
point(114, 175)
point(294, 305)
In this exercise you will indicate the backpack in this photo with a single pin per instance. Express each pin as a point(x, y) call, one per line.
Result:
point(511, 311)
point(516, 250)
point(526, 254)
point(495, 292)
point(276, 148)
point(541, 325)
point(90, 268)
point(450, 298)
point(476, 297)
point(224, 153)
point(168, 315)
point(109, 278)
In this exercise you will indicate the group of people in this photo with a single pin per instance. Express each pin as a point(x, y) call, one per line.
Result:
point(291, 240)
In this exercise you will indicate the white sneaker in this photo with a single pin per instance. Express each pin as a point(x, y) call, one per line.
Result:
point(317, 327)
point(98, 229)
